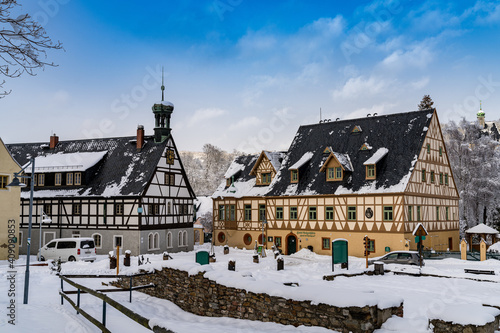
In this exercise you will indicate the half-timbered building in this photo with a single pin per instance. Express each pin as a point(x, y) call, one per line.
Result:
point(378, 176)
point(130, 192)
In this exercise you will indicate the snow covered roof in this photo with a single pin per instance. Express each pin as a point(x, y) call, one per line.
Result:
point(112, 166)
point(233, 169)
point(303, 160)
point(275, 158)
point(69, 162)
point(166, 103)
point(481, 229)
point(344, 160)
point(377, 156)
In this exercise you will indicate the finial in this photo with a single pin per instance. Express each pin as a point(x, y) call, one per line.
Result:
point(480, 105)
point(162, 86)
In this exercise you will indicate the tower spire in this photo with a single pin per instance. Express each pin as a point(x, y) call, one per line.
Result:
point(162, 86)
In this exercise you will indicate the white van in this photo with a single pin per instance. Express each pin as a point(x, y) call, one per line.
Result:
point(69, 249)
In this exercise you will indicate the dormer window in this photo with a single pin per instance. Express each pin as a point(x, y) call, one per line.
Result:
point(294, 176)
point(356, 129)
point(228, 182)
point(41, 179)
point(365, 146)
point(266, 178)
point(334, 174)
point(58, 179)
point(78, 178)
point(370, 171)
point(327, 150)
point(69, 179)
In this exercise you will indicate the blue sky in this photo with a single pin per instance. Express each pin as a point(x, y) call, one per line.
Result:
point(245, 74)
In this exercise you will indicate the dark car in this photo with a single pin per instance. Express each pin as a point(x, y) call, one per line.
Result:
point(399, 257)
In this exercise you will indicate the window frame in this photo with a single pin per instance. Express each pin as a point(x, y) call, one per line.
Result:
point(265, 178)
point(77, 178)
point(328, 242)
point(169, 240)
point(41, 179)
point(115, 238)
point(428, 148)
point(424, 176)
point(419, 213)
point(294, 176)
point(388, 213)
point(447, 213)
point(410, 213)
point(262, 212)
point(312, 213)
point(371, 171)
point(119, 208)
point(222, 213)
point(441, 182)
point(247, 213)
point(437, 213)
point(4, 181)
point(446, 179)
point(277, 241)
point(98, 245)
point(58, 179)
point(294, 215)
point(432, 177)
point(352, 214)
point(329, 210)
point(76, 209)
point(279, 213)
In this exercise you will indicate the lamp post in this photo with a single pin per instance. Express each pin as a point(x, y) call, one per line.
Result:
point(43, 219)
point(14, 183)
point(264, 240)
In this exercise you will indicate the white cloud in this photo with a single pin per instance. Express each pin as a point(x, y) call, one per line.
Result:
point(245, 123)
point(361, 86)
point(419, 84)
point(201, 115)
point(419, 56)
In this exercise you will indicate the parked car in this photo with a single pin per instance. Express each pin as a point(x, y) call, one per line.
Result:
point(399, 257)
point(69, 249)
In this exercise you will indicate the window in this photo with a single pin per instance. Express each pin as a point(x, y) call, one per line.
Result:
point(277, 241)
point(169, 240)
point(222, 216)
point(153, 241)
point(423, 175)
point(170, 156)
point(231, 213)
point(35, 180)
point(432, 177)
point(78, 178)
point(370, 172)
point(170, 178)
point(351, 213)
point(20, 240)
point(279, 213)
point(334, 173)
point(294, 176)
point(75, 234)
point(97, 240)
point(221, 237)
point(329, 213)
point(153, 209)
point(66, 245)
point(410, 213)
point(169, 208)
point(293, 213)
point(77, 209)
point(338, 173)
point(247, 239)
point(117, 241)
point(440, 151)
point(228, 181)
point(437, 213)
point(248, 213)
point(185, 237)
point(371, 245)
point(58, 179)
point(428, 148)
point(331, 173)
point(118, 209)
point(446, 179)
point(4, 181)
point(69, 179)
point(266, 178)
point(447, 211)
point(47, 209)
point(313, 213)
point(325, 243)
point(441, 178)
point(418, 213)
point(41, 179)
point(262, 212)
point(388, 213)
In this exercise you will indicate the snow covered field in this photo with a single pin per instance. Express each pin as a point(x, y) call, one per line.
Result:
point(424, 297)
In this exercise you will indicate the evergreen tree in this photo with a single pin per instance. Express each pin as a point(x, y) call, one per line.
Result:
point(426, 103)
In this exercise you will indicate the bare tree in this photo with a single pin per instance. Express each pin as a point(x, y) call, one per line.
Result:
point(23, 44)
point(426, 103)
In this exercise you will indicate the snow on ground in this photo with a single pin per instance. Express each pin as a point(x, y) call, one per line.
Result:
point(424, 297)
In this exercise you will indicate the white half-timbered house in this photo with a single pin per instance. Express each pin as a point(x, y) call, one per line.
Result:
point(130, 192)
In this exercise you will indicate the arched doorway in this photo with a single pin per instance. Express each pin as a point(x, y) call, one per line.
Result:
point(291, 244)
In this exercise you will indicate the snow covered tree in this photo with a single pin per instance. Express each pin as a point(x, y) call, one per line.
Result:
point(207, 221)
point(23, 44)
point(475, 161)
point(426, 103)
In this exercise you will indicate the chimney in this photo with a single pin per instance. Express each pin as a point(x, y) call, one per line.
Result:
point(54, 140)
point(140, 137)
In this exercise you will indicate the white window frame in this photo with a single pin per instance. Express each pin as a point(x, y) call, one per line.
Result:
point(156, 240)
point(45, 233)
point(169, 240)
point(115, 237)
point(179, 238)
point(150, 241)
point(95, 243)
point(184, 238)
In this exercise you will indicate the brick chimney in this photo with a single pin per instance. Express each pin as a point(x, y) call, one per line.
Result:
point(54, 140)
point(140, 137)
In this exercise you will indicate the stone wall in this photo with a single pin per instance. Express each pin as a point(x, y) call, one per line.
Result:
point(201, 296)
point(440, 326)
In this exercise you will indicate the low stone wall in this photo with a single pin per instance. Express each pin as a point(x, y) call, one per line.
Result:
point(201, 296)
point(441, 326)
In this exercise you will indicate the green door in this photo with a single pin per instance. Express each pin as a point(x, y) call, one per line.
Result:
point(292, 244)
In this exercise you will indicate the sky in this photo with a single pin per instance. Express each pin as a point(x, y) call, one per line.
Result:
point(244, 75)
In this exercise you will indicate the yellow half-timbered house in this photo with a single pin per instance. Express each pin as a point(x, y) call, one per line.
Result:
point(378, 176)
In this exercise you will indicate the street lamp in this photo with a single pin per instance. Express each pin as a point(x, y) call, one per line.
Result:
point(264, 240)
point(43, 219)
point(15, 182)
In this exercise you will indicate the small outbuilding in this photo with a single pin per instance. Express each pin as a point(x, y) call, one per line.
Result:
point(483, 231)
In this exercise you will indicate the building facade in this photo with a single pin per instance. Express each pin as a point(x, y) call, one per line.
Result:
point(9, 206)
point(377, 176)
point(130, 192)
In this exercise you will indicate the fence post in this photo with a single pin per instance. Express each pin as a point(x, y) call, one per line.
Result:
point(104, 313)
point(62, 289)
point(78, 301)
point(130, 299)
